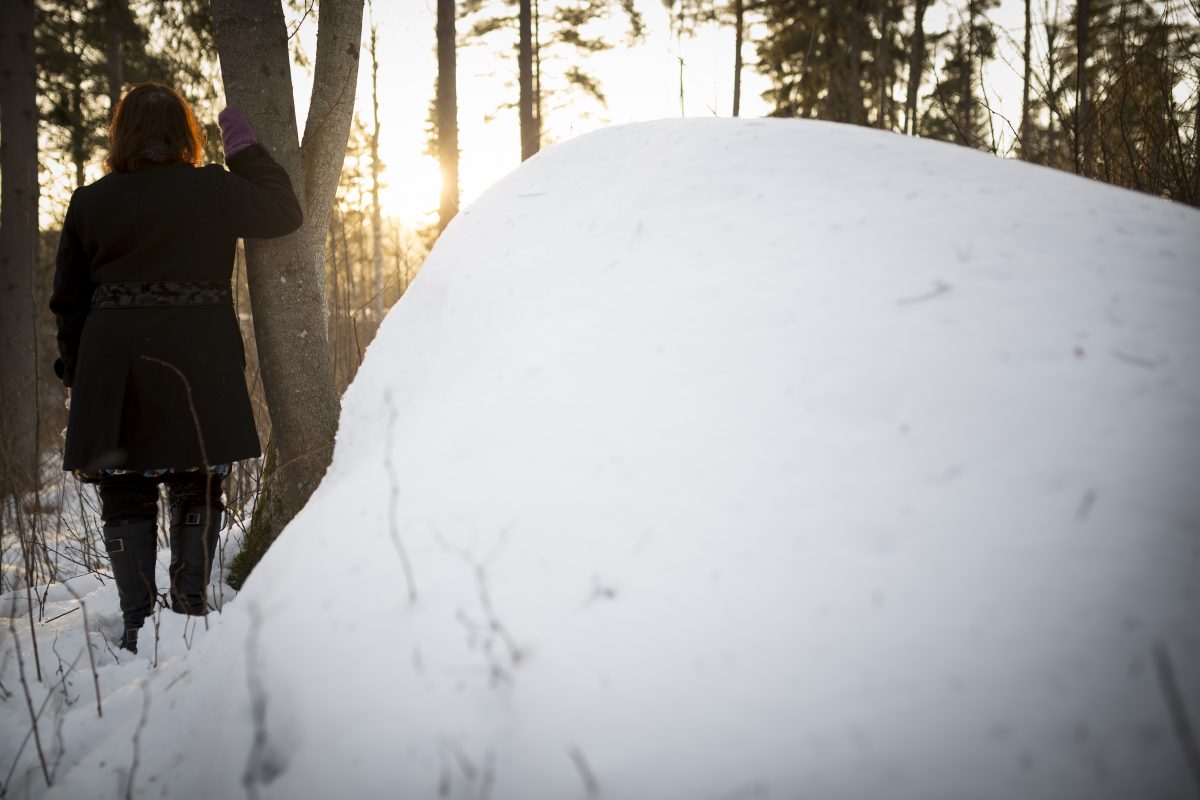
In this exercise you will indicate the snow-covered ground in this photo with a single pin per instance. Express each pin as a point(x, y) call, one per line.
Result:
point(717, 459)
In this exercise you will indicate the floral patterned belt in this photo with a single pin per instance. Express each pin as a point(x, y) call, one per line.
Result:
point(161, 293)
point(95, 476)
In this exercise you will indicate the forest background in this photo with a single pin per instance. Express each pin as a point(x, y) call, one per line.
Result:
point(1107, 89)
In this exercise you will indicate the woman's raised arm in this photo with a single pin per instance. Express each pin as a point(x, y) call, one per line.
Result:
point(258, 199)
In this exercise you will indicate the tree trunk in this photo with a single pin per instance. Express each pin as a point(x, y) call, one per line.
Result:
point(1025, 149)
point(117, 12)
point(882, 67)
point(529, 137)
point(739, 23)
point(18, 245)
point(966, 97)
point(1196, 149)
point(1082, 22)
point(852, 94)
point(78, 134)
point(1050, 149)
point(537, 71)
point(447, 111)
point(287, 275)
point(916, 65)
point(376, 213)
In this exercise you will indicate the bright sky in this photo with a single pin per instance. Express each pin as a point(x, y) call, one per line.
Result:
point(641, 82)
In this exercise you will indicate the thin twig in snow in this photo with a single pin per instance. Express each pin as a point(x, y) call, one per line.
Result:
point(258, 707)
point(393, 498)
point(1178, 711)
point(939, 288)
point(33, 716)
point(60, 616)
point(465, 765)
point(590, 785)
point(87, 641)
point(28, 735)
point(29, 573)
point(63, 674)
point(489, 776)
point(137, 738)
point(479, 570)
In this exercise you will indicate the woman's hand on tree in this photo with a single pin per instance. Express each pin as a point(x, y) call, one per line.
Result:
point(236, 133)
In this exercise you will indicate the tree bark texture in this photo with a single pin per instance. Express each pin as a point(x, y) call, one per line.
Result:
point(117, 13)
point(287, 275)
point(18, 245)
point(529, 133)
point(916, 66)
point(1051, 93)
point(447, 111)
point(739, 25)
point(376, 168)
point(1082, 23)
point(537, 72)
point(78, 133)
point(1027, 79)
point(883, 68)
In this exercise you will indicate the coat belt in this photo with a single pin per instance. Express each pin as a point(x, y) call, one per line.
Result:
point(139, 294)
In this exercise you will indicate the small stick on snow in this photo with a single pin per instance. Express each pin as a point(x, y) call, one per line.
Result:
point(939, 288)
point(28, 734)
point(60, 616)
point(33, 716)
point(590, 785)
point(393, 497)
point(258, 707)
point(1178, 711)
point(137, 738)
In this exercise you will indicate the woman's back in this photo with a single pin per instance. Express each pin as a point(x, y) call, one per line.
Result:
point(176, 222)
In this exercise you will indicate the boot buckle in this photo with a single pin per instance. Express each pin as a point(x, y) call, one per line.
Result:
point(192, 518)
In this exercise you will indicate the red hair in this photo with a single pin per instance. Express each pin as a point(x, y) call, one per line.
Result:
point(151, 114)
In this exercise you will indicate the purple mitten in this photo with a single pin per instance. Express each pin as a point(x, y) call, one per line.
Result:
point(236, 133)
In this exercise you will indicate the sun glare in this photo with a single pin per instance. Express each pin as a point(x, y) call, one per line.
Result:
point(411, 188)
point(412, 184)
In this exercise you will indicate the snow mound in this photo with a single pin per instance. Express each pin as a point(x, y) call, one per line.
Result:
point(736, 459)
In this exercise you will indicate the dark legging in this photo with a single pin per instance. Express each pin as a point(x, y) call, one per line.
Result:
point(133, 497)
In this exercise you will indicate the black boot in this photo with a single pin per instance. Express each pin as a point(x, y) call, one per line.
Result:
point(131, 546)
point(194, 535)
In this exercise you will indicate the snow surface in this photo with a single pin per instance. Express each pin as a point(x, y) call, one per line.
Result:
point(732, 459)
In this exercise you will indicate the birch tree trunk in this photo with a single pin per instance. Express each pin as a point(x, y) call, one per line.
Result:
point(447, 111)
point(287, 275)
point(18, 245)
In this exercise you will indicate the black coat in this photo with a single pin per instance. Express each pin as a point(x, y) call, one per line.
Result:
point(161, 386)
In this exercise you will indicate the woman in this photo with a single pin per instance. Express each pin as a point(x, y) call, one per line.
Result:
point(149, 345)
